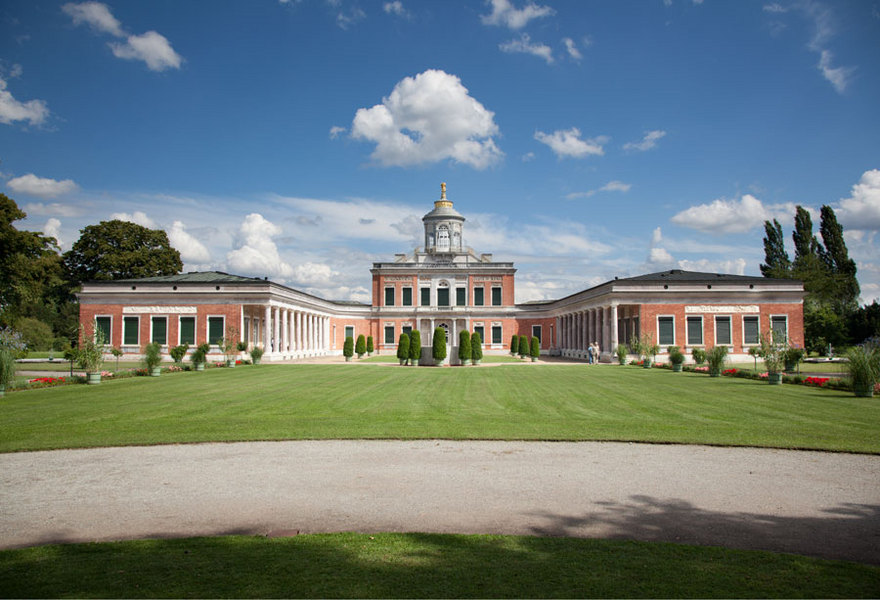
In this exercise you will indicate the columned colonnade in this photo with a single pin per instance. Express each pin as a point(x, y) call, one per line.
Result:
point(292, 333)
point(577, 329)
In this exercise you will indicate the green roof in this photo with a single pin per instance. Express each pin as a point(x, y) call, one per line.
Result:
point(194, 277)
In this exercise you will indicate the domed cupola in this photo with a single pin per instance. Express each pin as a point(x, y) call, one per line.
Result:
point(443, 226)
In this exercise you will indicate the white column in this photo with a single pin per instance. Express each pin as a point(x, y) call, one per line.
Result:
point(291, 332)
point(275, 329)
point(282, 346)
point(266, 329)
point(614, 340)
point(299, 332)
point(312, 334)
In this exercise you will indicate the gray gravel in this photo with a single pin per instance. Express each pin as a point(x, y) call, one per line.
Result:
point(813, 503)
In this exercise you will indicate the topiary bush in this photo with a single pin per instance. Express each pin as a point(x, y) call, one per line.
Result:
point(403, 349)
point(177, 353)
point(535, 348)
point(523, 346)
point(370, 346)
point(476, 348)
point(438, 346)
point(514, 345)
point(361, 346)
point(415, 347)
point(464, 347)
point(699, 355)
point(348, 348)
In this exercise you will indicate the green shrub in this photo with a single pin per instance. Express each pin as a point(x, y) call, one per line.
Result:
point(403, 348)
point(370, 346)
point(256, 353)
point(535, 347)
point(863, 366)
point(361, 346)
point(523, 346)
point(199, 355)
point(476, 346)
point(715, 357)
point(36, 334)
point(675, 356)
point(672, 349)
point(7, 367)
point(438, 345)
point(621, 352)
point(415, 347)
point(178, 352)
point(241, 346)
point(514, 344)
point(90, 353)
point(152, 356)
point(464, 345)
point(699, 355)
point(348, 347)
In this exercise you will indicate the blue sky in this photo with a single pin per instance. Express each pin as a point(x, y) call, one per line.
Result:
point(304, 140)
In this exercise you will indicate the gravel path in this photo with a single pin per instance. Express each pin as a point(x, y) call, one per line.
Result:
point(813, 503)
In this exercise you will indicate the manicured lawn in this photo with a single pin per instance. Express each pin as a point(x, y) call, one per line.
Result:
point(421, 565)
point(545, 402)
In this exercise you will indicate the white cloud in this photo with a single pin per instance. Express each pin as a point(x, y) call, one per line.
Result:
point(345, 20)
point(11, 110)
point(191, 250)
point(42, 187)
point(96, 15)
point(336, 131)
point(395, 8)
point(137, 217)
point(64, 210)
point(861, 211)
point(647, 142)
point(611, 186)
point(838, 76)
point(658, 257)
point(152, 48)
point(568, 143)
point(505, 14)
point(52, 228)
point(736, 266)
point(572, 48)
point(775, 7)
point(256, 254)
point(731, 216)
point(429, 118)
point(528, 156)
point(524, 45)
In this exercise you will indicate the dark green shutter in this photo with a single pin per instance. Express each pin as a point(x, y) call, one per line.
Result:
point(461, 296)
point(389, 296)
point(722, 331)
point(188, 330)
point(443, 297)
point(160, 330)
point(407, 296)
point(130, 331)
point(215, 329)
point(750, 330)
point(426, 296)
point(666, 326)
point(496, 335)
point(695, 331)
point(389, 334)
point(102, 325)
point(780, 329)
point(478, 296)
point(482, 333)
point(496, 296)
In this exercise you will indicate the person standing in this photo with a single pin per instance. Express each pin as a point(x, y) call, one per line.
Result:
point(589, 354)
point(596, 351)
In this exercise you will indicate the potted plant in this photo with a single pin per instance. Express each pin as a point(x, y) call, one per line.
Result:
point(370, 347)
point(228, 346)
point(403, 349)
point(647, 349)
point(90, 355)
point(523, 349)
point(242, 346)
point(438, 347)
point(535, 348)
point(256, 354)
point(715, 357)
point(178, 352)
point(514, 345)
point(792, 355)
point(863, 367)
point(116, 351)
point(476, 348)
point(199, 356)
point(361, 346)
point(771, 352)
point(621, 352)
point(7, 369)
point(676, 358)
point(415, 348)
point(348, 349)
point(699, 356)
point(464, 347)
point(153, 358)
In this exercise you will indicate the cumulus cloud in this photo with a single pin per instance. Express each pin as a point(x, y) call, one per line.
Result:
point(659, 258)
point(137, 217)
point(256, 252)
point(647, 142)
point(55, 208)
point(151, 47)
point(524, 45)
point(52, 228)
point(731, 216)
point(861, 211)
point(191, 250)
point(33, 111)
point(735, 266)
point(429, 118)
point(568, 143)
point(506, 15)
point(336, 131)
point(611, 186)
point(42, 187)
point(572, 48)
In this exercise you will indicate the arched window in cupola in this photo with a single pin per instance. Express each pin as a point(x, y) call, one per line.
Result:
point(443, 238)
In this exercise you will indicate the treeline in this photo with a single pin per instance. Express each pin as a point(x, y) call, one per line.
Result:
point(832, 314)
point(38, 282)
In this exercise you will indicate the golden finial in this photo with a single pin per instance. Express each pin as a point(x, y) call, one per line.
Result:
point(443, 202)
point(443, 191)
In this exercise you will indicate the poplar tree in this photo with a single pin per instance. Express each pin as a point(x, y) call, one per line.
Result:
point(837, 258)
point(776, 265)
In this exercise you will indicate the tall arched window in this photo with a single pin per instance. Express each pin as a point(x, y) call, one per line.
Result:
point(443, 237)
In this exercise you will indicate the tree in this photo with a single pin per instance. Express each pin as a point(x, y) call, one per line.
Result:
point(438, 345)
point(348, 348)
point(403, 348)
point(514, 344)
point(837, 258)
point(415, 347)
point(523, 348)
point(360, 346)
point(776, 262)
point(476, 348)
point(464, 347)
point(120, 250)
point(370, 344)
point(864, 323)
point(535, 347)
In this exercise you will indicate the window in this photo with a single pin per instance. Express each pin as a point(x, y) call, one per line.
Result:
point(442, 296)
point(496, 296)
point(130, 327)
point(443, 237)
point(349, 331)
point(536, 332)
point(481, 330)
point(425, 300)
point(389, 296)
point(461, 296)
point(779, 325)
point(188, 330)
point(407, 296)
point(666, 331)
point(160, 330)
point(102, 326)
point(751, 331)
point(389, 334)
point(407, 330)
point(478, 296)
point(215, 329)
point(695, 331)
point(722, 331)
point(496, 334)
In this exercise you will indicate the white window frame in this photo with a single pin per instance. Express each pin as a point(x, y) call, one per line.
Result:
point(208, 328)
point(411, 297)
point(95, 331)
point(474, 299)
point(385, 299)
point(746, 344)
point(137, 329)
point(783, 316)
point(660, 343)
point(461, 287)
point(540, 335)
point(491, 328)
point(687, 336)
point(500, 296)
point(195, 328)
point(482, 326)
point(385, 328)
point(730, 329)
point(345, 330)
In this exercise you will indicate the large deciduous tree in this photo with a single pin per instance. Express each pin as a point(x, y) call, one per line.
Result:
point(120, 250)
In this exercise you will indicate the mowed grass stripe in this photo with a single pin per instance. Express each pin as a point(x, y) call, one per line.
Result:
point(547, 402)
